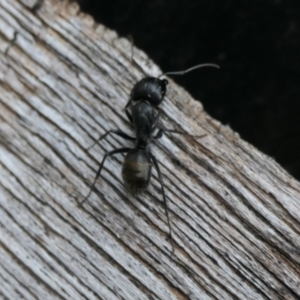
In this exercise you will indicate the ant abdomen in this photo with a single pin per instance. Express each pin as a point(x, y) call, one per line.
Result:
point(136, 171)
point(151, 89)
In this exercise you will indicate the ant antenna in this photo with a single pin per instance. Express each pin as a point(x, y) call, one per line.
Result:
point(191, 69)
point(132, 59)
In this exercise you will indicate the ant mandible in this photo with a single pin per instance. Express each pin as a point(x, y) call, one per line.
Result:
point(137, 166)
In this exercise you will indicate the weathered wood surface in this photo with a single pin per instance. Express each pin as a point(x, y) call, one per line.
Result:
point(235, 213)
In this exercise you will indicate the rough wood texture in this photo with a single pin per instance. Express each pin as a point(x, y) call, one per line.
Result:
point(235, 213)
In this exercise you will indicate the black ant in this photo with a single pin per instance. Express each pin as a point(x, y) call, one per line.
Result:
point(137, 166)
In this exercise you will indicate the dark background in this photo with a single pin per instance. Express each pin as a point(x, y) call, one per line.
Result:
point(256, 43)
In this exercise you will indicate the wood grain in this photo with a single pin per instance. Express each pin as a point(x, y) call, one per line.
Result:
point(64, 81)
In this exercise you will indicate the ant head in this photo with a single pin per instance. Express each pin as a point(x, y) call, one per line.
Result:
point(151, 89)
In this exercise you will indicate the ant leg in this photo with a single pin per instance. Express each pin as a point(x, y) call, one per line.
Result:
point(129, 116)
point(164, 196)
point(121, 150)
point(161, 131)
point(128, 103)
point(116, 132)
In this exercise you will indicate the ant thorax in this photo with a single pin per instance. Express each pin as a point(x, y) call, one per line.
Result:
point(143, 119)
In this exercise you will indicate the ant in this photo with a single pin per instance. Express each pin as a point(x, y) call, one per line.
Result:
point(137, 166)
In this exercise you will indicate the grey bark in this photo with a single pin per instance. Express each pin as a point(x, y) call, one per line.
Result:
point(64, 81)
